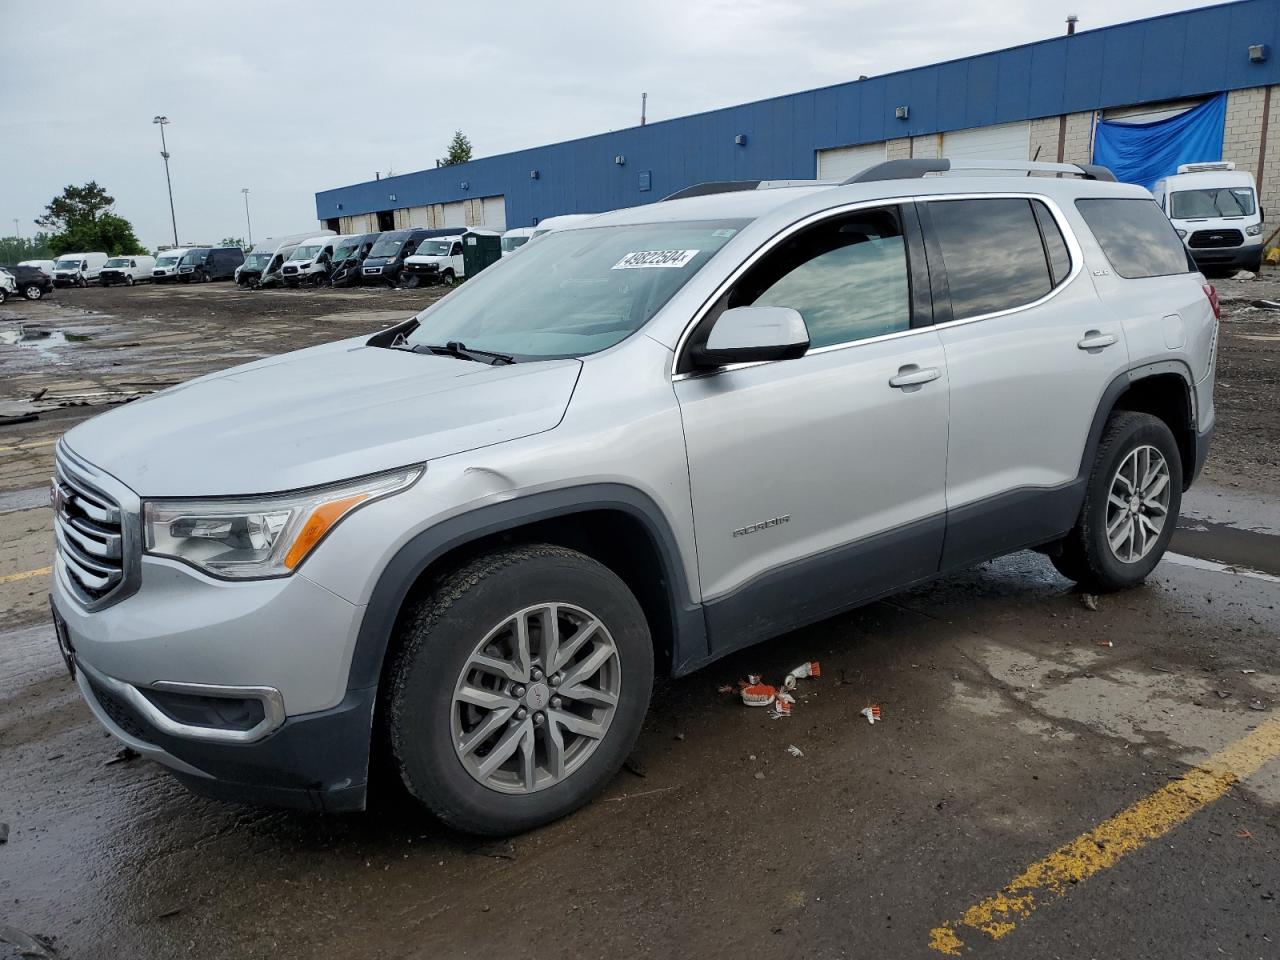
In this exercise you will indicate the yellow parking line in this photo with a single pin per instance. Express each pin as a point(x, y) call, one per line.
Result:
point(1148, 819)
point(25, 575)
point(29, 446)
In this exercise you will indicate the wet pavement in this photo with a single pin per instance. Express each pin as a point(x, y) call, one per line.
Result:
point(1015, 720)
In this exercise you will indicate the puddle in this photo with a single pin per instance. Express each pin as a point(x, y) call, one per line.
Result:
point(45, 342)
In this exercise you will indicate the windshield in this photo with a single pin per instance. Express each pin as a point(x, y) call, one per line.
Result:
point(510, 243)
point(434, 248)
point(166, 261)
point(190, 258)
point(576, 292)
point(307, 252)
point(256, 261)
point(1212, 202)
point(116, 262)
point(67, 265)
point(386, 247)
point(344, 251)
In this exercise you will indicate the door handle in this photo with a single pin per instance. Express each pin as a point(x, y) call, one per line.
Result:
point(913, 375)
point(1096, 340)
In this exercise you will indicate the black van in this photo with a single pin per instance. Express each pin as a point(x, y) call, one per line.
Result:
point(348, 257)
point(202, 264)
point(386, 259)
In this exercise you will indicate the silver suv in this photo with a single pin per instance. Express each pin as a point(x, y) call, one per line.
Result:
point(655, 437)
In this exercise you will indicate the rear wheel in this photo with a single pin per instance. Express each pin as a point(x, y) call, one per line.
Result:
point(33, 291)
point(519, 688)
point(1130, 508)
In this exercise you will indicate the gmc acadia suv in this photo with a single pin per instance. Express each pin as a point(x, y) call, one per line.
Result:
point(654, 437)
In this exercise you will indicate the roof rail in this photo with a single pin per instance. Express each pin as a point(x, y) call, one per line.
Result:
point(914, 169)
point(713, 186)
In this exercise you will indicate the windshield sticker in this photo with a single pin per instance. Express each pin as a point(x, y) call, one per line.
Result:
point(654, 258)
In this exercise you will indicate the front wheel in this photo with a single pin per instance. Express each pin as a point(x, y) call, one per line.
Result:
point(1130, 508)
point(32, 291)
point(128, 281)
point(519, 688)
point(448, 278)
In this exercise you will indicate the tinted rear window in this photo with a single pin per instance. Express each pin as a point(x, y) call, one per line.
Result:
point(1136, 236)
point(992, 252)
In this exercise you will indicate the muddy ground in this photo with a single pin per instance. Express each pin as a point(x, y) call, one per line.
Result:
point(1016, 718)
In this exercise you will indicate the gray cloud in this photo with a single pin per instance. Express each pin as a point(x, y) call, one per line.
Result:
point(290, 99)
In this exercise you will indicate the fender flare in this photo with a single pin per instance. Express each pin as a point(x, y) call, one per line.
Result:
point(403, 570)
point(1121, 383)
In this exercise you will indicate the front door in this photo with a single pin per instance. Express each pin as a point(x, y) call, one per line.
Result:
point(819, 482)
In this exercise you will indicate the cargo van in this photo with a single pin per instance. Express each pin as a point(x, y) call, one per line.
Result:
point(311, 260)
point(259, 260)
point(126, 270)
point(348, 257)
point(515, 238)
point(386, 258)
point(202, 264)
point(78, 269)
point(45, 265)
point(166, 267)
point(1214, 207)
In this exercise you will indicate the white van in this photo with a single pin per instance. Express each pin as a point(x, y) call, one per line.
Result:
point(515, 238)
point(259, 261)
point(126, 270)
point(1214, 207)
point(166, 266)
point(311, 259)
point(558, 223)
point(439, 259)
point(78, 269)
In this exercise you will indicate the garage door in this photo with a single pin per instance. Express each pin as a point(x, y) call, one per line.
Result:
point(495, 213)
point(840, 163)
point(1148, 113)
point(454, 214)
point(1005, 141)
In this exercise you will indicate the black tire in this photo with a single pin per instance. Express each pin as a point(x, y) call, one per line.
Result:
point(32, 291)
point(128, 281)
point(447, 278)
point(436, 642)
point(411, 281)
point(1086, 556)
point(4, 294)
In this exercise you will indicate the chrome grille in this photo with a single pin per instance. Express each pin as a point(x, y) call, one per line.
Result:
point(95, 532)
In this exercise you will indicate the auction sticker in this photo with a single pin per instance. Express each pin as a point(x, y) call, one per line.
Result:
point(642, 259)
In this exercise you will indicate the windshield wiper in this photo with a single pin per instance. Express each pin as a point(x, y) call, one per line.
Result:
point(454, 348)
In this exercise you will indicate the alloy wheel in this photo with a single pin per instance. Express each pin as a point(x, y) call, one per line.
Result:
point(535, 698)
point(1138, 504)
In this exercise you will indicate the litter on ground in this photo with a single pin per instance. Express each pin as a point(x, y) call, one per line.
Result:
point(794, 750)
point(872, 713)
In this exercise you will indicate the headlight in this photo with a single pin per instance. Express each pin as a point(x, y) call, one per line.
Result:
point(260, 536)
point(1181, 233)
point(1253, 230)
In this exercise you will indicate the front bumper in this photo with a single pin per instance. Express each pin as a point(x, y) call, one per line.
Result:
point(150, 663)
point(1245, 257)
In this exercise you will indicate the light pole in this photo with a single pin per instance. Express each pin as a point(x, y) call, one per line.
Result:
point(248, 223)
point(164, 152)
point(16, 232)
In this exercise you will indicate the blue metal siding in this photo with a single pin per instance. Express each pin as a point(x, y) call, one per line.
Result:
point(1170, 57)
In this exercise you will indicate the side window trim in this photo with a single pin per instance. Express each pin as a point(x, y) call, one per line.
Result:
point(918, 277)
point(936, 270)
point(712, 303)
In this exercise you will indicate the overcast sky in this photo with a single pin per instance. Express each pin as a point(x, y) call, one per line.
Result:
point(291, 99)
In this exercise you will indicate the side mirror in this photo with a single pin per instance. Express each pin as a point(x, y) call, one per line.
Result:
point(753, 335)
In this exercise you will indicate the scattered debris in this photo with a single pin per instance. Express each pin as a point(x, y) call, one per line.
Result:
point(498, 850)
point(872, 713)
point(757, 694)
point(1265, 304)
point(1244, 834)
point(781, 706)
point(1245, 275)
point(166, 914)
point(678, 736)
point(642, 793)
point(1248, 671)
point(794, 750)
point(1257, 705)
point(123, 755)
point(1104, 643)
point(759, 774)
point(1090, 601)
point(810, 669)
point(635, 766)
point(1223, 694)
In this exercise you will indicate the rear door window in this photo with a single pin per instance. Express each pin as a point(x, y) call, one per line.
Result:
point(1136, 236)
point(993, 254)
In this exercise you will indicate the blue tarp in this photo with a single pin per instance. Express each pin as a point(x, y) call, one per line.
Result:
point(1142, 153)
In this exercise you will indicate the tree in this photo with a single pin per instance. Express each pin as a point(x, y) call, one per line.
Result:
point(459, 150)
point(111, 234)
point(82, 219)
point(234, 242)
point(16, 249)
point(75, 204)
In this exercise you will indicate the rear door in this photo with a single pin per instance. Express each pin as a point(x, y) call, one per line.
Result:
point(819, 482)
point(1029, 355)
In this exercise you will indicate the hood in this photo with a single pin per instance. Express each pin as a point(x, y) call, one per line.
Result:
point(317, 416)
point(430, 258)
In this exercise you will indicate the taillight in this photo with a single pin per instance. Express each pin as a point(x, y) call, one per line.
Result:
point(1212, 294)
